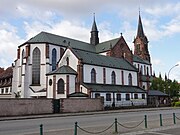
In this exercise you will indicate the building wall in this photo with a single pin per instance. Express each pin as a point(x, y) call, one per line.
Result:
point(81, 105)
point(13, 107)
point(22, 70)
point(144, 68)
point(50, 89)
point(99, 75)
point(73, 60)
point(144, 85)
point(123, 101)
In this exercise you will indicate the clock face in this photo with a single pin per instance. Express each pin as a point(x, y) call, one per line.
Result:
point(50, 82)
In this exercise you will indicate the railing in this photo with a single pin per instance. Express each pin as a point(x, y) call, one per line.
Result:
point(115, 125)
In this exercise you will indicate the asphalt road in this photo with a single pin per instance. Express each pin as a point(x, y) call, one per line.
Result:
point(65, 125)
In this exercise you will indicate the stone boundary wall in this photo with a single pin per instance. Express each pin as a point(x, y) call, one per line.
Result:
point(20, 107)
point(13, 107)
point(81, 105)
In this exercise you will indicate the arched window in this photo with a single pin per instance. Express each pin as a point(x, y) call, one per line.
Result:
point(36, 62)
point(113, 78)
point(130, 79)
point(93, 76)
point(60, 86)
point(23, 55)
point(122, 77)
point(67, 61)
point(54, 57)
point(147, 71)
point(144, 70)
point(141, 70)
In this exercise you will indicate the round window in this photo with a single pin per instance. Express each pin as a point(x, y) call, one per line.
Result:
point(50, 82)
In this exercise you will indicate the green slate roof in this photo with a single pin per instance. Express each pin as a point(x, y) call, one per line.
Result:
point(105, 46)
point(156, 93)
point(140, 60)
point(101, 60)
point(45, 37)
point(78, 94)
point(114, 88)
point(63, 70)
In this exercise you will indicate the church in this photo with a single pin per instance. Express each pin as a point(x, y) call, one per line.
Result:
point(53, 66)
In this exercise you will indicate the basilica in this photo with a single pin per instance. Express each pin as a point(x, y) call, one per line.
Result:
point(53, 66)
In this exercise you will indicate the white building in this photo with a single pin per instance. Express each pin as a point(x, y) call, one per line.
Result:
point(53, 66)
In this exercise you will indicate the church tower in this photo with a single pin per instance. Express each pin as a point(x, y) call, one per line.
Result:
point(141, 43)
point(94, 34)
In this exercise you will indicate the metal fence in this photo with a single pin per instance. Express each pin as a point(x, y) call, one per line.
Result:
point(115, 124)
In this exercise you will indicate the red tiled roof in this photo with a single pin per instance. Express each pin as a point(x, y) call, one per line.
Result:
point(6, 73)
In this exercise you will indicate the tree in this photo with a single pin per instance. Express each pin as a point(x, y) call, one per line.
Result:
point(172, 88)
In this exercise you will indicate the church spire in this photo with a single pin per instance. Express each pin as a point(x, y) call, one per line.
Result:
point(94, 33)
point(94, 27)
point(140, 32)
point(141, 42)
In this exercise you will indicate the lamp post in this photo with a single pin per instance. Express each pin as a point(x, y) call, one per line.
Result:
point(168, 75)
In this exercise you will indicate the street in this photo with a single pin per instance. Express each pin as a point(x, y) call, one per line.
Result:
point(98, 122)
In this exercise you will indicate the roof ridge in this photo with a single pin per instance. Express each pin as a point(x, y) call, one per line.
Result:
point(65, 37)
point(109, 40)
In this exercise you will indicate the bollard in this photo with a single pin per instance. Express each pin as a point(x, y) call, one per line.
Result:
point(174, 118)
point(75, 128)
point(145, 120)
point(161, 120)
point(41, 129)
point(116, 125)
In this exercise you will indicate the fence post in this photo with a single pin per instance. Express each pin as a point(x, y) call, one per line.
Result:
point(161, 120)
point(116, 125)
point(41, 129)
point(145, 120)
point(174, 118)
point(75, 128)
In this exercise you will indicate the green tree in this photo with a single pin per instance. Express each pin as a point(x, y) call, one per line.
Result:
point(172, 88)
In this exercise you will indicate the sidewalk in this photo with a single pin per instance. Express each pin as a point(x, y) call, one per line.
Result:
point(82, 113)
point(169, 130)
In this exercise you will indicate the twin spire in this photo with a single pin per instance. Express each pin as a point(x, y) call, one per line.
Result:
point(140, 32)
point(94, 27)
point(94, 33)
point(94, 39)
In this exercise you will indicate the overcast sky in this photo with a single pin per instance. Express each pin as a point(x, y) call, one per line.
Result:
point(22, 19)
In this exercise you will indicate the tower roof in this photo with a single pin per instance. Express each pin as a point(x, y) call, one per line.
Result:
point(140, 32)
point(94, 27)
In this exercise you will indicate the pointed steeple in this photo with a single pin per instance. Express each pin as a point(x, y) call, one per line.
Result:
point(94, 27)
point(140, 32)
point(141, 42)
point(94, 33)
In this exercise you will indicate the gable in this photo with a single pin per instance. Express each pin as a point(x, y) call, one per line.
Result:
point(106, 46)
point(121, 50)
point(72, 58)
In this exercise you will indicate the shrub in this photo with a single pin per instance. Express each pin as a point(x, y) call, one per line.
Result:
point(177, 104)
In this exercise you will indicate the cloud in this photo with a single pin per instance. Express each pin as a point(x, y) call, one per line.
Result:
point(9, 42)
point(157, 62)
point(164, 9)
point(27, 8)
